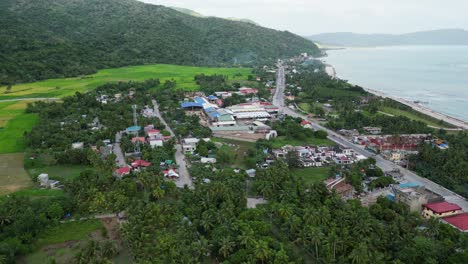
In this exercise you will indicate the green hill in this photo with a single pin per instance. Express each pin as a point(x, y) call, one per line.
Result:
point(44, 39)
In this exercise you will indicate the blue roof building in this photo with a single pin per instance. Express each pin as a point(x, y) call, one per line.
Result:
point(191, 105)
point(409, 185)
point(212, 97)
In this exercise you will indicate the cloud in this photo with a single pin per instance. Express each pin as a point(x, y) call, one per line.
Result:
point(315, 16)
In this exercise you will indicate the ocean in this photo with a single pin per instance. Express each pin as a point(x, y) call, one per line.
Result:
point(436, 76)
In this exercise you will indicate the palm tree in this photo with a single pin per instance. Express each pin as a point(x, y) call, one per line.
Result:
point(262, 250)
point(227, 246)
point(316, 236)
point(360, 255)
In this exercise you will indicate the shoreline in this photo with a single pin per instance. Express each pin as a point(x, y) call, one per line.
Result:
point(461, 124)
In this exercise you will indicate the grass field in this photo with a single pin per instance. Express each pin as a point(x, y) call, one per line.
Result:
point(282, 141)
point(13, 123)
point(39, 193)
point(59, 172)
point(312, 175)
point(13, 177)
point(61, 242)
point(413, 116)
point(240, 147)
point(183, 75)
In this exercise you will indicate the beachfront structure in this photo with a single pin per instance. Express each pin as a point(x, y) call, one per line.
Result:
point(440, 209)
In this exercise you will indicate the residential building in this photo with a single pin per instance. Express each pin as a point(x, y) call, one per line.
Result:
point(440, 209)
point(189, 145)
point(415, 196)
point(459, 221)
point(373, 130)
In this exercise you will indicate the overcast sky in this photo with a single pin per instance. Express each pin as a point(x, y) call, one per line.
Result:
point(308, 17)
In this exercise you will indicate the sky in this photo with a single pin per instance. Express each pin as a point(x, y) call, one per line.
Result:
point(308, 17)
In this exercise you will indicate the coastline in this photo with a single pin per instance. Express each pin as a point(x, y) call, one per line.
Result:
point(460, 124)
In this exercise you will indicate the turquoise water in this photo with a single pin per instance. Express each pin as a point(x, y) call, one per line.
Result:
point(437, 76)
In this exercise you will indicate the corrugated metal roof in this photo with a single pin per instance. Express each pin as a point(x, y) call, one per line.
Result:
point(191, 104)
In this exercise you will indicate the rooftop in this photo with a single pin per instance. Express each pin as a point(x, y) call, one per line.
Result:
point(459, 221)
point(442, 207)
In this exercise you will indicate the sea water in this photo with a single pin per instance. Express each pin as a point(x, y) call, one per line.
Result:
point(435, 76)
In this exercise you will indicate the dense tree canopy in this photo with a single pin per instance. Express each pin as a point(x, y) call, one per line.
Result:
point(60, 38)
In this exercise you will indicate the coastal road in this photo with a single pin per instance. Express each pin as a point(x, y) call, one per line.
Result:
point(184, 176)
point(385, 165)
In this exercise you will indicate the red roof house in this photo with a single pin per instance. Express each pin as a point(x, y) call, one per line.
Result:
point(440, 209)
point(305, 122)
point(122, 171)
point(140, 163)
point(141, 139)
point(459, 221)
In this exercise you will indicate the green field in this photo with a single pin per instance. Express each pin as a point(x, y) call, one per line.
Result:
point(59, 172)
point(183, 75)
point(282, 141)
point(414, 116)
point(13, 177)
point(61, 242)
point(14, 121)
point(240, 147)
point(312, 175)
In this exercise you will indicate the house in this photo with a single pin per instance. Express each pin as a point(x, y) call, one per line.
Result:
point(440, 209)
point(279, 153)
point(78, 145)
point(189, 145)
point(250, 173)
point(338, 184)
point(156, 143)
point(306, 124)
point(246, 91)
point(373, 130)
point(306, 163)
point(459, 221)
point(121, 172)
point(152, 133)
point(342, 160)
point(138, 139)
point(140, 163)
point(171, 173)
point(208, 160)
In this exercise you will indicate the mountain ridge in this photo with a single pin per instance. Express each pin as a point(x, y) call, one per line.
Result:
point(429, 37)
point(63, 38)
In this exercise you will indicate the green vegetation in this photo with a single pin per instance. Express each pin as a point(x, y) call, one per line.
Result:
point(283, 141)
point(446, 167)
point(312, 175)
point(182, 75)
point(61, 38)
point(77, 230)
point(60, 172)
point(415, 116)
point(13, 177)
point(13, 124)
point(239, 147)
point(39, 193)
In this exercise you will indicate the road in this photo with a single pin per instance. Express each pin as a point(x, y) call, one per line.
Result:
point(385, 165)
point(118, 151)
point(184, 176)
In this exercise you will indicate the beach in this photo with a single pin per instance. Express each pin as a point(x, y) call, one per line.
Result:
point(460, 124)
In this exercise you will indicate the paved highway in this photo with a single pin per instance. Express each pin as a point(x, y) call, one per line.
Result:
point(385, 165)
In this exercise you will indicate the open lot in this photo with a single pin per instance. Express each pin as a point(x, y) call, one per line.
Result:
point(63, 241)
point(282, 141)
point(183, 75)
point(312, 175)
point(240, 147)
point(59, 172)
point(13, 177)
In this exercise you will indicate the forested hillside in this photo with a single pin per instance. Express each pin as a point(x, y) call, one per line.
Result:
point(60, 38)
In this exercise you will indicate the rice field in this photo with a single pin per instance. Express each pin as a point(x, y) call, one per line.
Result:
point(183, 75)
